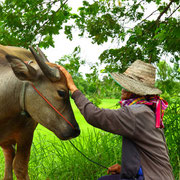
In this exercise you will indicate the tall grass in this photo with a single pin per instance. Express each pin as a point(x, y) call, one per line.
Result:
point(55, 159)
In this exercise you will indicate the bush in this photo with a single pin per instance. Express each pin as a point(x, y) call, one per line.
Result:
point(172, 129)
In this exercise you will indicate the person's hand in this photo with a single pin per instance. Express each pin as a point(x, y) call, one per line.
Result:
point(72, 87)
point(115, 169)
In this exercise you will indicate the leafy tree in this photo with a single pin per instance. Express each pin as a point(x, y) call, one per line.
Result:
point(168, 81)
point(25, 22)
point(72, 63)
point(88, 84)
point(146, 39)
point(110, 89)
point(94, 86)
point(140, 36)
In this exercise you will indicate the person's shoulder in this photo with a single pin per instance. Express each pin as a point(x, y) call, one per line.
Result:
point(140, 108)
point(144, 116)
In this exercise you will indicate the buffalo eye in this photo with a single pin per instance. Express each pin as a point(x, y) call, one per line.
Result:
point(61, 93)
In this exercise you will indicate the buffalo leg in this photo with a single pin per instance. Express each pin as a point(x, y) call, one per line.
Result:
point(24, 142)
point(21, 160)
point(9, 153)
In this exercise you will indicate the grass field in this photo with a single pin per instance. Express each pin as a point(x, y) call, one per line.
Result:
point(54, 159)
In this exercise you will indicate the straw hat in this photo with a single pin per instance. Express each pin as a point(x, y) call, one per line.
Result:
point(139, 79)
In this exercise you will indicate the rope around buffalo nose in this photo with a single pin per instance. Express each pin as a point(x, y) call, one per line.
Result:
point(41, 95)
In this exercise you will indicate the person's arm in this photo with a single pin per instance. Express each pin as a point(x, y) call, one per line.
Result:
point(121, 121)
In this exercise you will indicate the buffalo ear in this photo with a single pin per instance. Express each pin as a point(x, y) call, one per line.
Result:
point(22, 70)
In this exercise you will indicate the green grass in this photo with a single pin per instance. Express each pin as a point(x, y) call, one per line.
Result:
point(54, 159)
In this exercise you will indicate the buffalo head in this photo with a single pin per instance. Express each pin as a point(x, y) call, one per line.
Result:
point(51, 82)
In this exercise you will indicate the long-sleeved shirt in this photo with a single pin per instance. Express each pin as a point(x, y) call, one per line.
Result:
point(136, 122)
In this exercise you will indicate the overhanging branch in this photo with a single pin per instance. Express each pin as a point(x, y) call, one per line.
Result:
point(174, 11)
point(147, 17)
point(164, 11)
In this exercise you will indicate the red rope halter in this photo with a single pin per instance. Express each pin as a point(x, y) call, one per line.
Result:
point(52, 106)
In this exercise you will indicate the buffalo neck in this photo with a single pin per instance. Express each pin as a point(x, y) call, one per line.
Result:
point(10, 89)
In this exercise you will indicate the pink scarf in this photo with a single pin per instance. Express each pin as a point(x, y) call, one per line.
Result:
point(154, 101)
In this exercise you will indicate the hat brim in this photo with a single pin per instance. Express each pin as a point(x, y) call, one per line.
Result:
point(134, 86)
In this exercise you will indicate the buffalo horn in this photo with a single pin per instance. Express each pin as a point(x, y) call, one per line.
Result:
point(51, 73)
point(42, 55)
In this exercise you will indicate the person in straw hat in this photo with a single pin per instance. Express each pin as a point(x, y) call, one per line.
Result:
point(139, 121)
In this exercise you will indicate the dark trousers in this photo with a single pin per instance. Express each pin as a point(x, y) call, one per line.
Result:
point(117, 177)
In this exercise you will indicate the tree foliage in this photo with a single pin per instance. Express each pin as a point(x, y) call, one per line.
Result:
point(27, 22)
point(168, 81)
point(139, 35)
point(72, 63)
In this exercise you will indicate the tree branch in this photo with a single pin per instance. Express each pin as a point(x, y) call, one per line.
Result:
point(140, 2)
point(56, 12)
point(174, 11)
point(147, 17)
point(164, 11)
